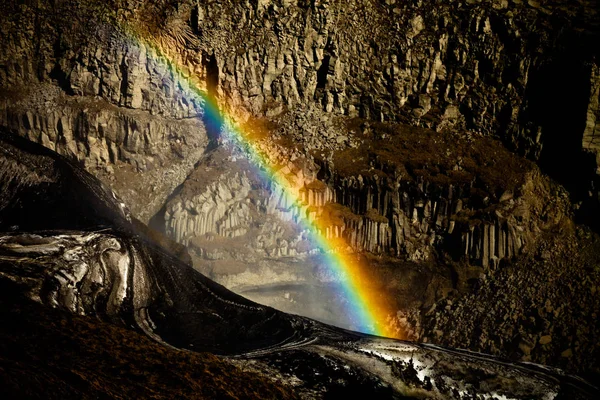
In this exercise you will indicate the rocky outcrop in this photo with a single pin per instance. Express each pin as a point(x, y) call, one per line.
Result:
point(417, 219)
point(591, 134)
point(462, 64)
point(134, 152)
point(593, 117)
point(527, 310)
point(473, 64)
point(224, 198)
point(102, 97)
point(88, 51)
point(220, 209)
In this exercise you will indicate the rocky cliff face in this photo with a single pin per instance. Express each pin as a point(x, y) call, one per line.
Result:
point(404, 192)
point(592, 123)
point(451, 66)
point(407, 195)
point(473, 64)
point(96, 94)
point(497, 67)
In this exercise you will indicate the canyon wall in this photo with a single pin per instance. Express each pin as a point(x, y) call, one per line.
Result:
point(340, 83)
point(501, 68)
point(113, 87)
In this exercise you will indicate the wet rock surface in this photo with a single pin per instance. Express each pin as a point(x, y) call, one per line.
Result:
point(106, 361)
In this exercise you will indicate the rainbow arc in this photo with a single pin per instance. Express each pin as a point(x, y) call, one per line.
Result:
point(367, 307)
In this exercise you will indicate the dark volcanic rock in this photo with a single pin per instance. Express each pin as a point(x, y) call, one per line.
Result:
point(540, 308)
point(106, 275)
point(40, 191)
point(53, 354)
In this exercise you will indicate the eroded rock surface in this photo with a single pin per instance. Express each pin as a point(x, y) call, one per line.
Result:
point(408, 194)
point(525, 72)
point(503, 68)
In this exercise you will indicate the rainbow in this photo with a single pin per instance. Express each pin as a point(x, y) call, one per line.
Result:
point(367, 308)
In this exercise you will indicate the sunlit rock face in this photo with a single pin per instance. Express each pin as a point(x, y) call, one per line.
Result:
point(138, 154)
point(494, 67)
point(98, 95)
point(103, 269)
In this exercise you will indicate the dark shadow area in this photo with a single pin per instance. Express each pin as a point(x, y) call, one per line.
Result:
point(557, 95)
point(557, 98)
point(58, 194)
point(51, 354)
point(124, 83)
point(57, 73)
point(212, 115)
point(194, 20)
point(322, 73)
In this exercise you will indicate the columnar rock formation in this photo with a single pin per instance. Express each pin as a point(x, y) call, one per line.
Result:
point(101, 96)
point(459, 64)
point(591, 134)
point(108, 272)
point(426, 199)
point(219, 209)
point(528, 310)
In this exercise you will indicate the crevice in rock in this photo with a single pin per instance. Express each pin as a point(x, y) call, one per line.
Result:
point(124, 82)
point(194, 19)
point(322, 73)
point(557, 96)
point(62, 79)
point(57, 73)
point(212, 119)
point(558, 103)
